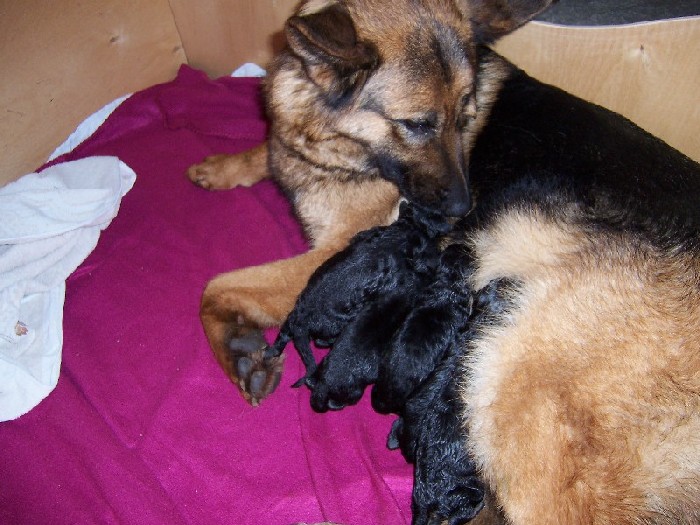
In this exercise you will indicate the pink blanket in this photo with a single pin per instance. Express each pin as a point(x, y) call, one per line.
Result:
point(143, 427)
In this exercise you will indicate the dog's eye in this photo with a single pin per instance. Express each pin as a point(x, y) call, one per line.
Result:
point(421, 126)
point(462, 122)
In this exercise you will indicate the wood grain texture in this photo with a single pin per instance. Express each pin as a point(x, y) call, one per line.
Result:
point(62, 61)
point(220, 35)
point(648, 72)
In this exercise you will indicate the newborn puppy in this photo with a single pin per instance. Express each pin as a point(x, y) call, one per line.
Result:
point(384, 261)
point(446, 486)
point(353, 363)
point(427, 333)
point(430, 433)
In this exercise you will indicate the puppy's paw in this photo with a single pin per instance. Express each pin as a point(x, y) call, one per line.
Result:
point(257, 375)
point(326, 396)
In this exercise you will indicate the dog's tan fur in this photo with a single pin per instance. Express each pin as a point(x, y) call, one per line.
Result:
point(340, 98)
point(602, 418)
point(573, 419)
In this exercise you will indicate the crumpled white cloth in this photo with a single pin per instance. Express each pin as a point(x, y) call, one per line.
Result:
point(49, 223)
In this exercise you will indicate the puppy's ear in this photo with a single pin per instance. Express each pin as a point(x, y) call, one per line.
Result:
point(334, 58)
point(492, 19)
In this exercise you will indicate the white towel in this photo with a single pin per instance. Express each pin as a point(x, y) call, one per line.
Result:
point(49, 223)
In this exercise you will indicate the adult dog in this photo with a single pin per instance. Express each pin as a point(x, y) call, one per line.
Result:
point(582, 391)
point(579, 384)
point(369, 100)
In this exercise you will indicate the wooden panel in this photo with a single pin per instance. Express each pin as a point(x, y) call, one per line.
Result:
point(220, 35)
point(648, 72)
point(61, 61)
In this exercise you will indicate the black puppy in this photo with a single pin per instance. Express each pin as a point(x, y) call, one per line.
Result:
point(446, 486)
point(380, 263)
point(353, 363)
point(430, 433)
point(429, 330)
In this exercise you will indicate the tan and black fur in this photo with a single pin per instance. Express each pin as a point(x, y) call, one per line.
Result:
point(581, 393)
point(370, 100)
point(583, 400)
point(580, 378)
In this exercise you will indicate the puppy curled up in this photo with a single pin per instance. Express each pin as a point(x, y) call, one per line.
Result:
point(440, 312)
point(380, 271)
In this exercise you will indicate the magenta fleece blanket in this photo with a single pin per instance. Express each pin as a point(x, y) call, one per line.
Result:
point(143, 427)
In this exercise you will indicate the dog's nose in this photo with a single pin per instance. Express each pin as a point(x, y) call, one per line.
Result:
point(457, 209)
point(458, 199)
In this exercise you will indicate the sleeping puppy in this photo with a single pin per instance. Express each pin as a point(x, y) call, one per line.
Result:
point(378, 265)
point(430, 434)
point(446, 484)
point(353, 362)
point(397, 340)
point(425, 335)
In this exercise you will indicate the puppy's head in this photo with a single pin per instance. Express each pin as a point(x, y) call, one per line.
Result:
point(403, 80)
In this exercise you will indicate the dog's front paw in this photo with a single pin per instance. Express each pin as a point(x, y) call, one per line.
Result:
point(256, 374)
point(215, 172)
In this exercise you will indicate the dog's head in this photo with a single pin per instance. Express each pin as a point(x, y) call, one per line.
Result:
point(403, 80)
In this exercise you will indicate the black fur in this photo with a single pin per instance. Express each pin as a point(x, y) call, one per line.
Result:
point(380, 264)
point(430, 434)
point(541, 142)
point(395, 342)
point(428, 331)
point(446, 486)
point(353, 362)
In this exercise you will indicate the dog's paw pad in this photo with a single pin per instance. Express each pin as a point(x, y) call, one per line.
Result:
point(257, 376)
point(249, 343)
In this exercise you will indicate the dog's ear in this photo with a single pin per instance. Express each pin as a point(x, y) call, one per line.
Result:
point(334, 58)
point(492, 19)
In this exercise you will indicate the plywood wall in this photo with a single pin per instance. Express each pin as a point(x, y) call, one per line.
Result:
point(61, 61)
point(220, 35)
point(648, 72)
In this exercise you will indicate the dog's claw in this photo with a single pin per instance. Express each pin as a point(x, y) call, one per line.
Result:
point(258, 375)
point(307, 381)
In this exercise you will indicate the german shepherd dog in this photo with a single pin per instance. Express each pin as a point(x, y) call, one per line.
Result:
point(581, 395)
point(581, 392)
point(578, 384)
point(369, 101)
